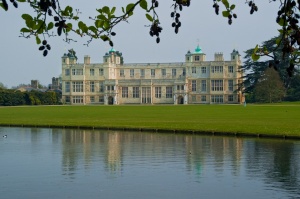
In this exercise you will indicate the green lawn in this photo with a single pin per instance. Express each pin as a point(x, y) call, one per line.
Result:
point(269, 119)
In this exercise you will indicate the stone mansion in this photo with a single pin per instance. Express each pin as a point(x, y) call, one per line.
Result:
point(195, 81)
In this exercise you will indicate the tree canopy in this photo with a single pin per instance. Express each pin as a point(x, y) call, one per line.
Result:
point(49, 18)
point(265, 85)
point(269, 87)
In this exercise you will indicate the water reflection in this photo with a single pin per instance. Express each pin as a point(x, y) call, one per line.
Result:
point(189, 163)
point(277, 161)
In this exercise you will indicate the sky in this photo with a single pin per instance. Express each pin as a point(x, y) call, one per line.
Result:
point(21, 61)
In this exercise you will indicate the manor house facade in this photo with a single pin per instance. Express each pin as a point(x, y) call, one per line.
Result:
point(195, 81)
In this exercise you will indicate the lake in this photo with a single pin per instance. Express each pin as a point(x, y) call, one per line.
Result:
point(74, 163)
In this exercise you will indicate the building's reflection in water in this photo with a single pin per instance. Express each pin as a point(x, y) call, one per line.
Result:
point(114, 157)
point(273, 160)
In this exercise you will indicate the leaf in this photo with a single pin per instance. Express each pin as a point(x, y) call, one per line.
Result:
point(21, 0)
point(129, 8)
point(27, 17)
point(38, 40)
point(226, 4)
point(255, 49)
point(265, 50)
point(149, 17)
point(93, 29)
point(232, 7)
point(82, 26)
point(278, 40)
point(255, 57)
point(225, 13)
point(99, 23)
point(40, 26)
point(105, 9)
point(69, 27)
point(4, 5)
point(101, 17)
point(50, 26)
point(113, 10)
point(106, 25)
point(69, 9)
point(25, 30)
point(104, 37)
point(282, 22)
point(144, 4)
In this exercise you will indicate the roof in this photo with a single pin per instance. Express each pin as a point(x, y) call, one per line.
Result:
point(198, 50)
point(112, 50)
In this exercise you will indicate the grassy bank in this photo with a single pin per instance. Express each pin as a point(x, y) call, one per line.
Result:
point(277, 119)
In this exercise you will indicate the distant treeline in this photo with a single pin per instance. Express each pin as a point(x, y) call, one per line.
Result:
point(10, 97)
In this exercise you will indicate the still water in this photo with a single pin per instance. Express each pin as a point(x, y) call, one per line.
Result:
point(64, 163)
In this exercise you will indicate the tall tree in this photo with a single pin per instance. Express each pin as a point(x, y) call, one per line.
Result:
point(269, 87)
point(2, 86)
point(254, 70)
point(293, 92)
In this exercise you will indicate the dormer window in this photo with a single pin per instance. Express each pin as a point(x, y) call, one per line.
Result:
point(197, 58)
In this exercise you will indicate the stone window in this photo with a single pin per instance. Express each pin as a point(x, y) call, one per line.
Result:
point(76, 71)
point(193, 69)
point(163, 72)
point(124, 92)
point(68, 99)
point(169, 92)
point(92, 86)
point(77, 86)
point(174, 72)
point(142, 72)
point(136, 92)
point(122, 73)
point(152, 72)
point(101, 89)
point(92, 99)
point(131, 72)
point(217, 69)
point(217, 85)
point(203, 85)
point(92, 72)
point(194, 85)
point(77, 99)
point(230, 69)
point(67, 72)
point(157, 92)
point(101, 99)
point(230, 85)
point(67, 87)
point(101, 71)
point(217, 99)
